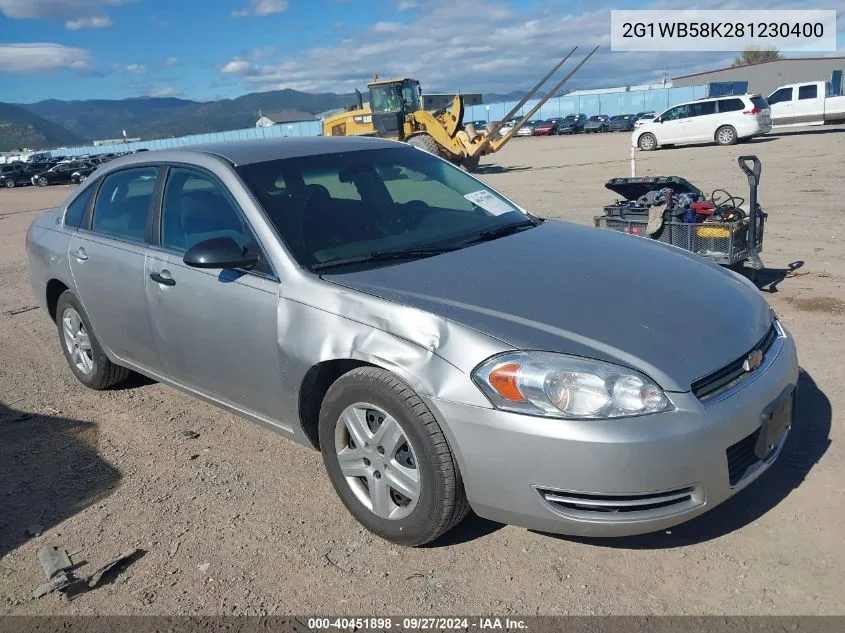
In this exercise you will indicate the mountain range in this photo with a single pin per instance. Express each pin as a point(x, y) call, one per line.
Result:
point(57, 123)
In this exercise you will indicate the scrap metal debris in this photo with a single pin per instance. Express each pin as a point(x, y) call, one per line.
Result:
point(58, 569)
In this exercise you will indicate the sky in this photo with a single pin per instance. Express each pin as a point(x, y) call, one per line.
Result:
point(214, 49)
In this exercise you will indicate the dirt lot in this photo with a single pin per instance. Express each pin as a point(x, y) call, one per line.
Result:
point(234, 519)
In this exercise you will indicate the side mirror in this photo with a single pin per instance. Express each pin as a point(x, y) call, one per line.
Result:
point(220, 252)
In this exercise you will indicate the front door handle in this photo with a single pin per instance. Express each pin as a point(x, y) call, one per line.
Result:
point(79, 253)
point(163, 278)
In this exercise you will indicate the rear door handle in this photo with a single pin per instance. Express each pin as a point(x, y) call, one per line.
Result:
point(163, 278)
point(79, 253)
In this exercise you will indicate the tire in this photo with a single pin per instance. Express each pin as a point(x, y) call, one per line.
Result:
point(97, 372)
point(9, 183)
point(42, 182)
point(425, 142)
point(726, 135)
point(371, 397)
point(470, 164)
point(647, 142)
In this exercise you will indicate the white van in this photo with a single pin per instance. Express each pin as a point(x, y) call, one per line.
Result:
point(724, 120)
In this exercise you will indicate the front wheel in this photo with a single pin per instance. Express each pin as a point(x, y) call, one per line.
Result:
point(42, 182)
point(726, 135)
point(388, 459)
point(425, 142)
point(647, 142)
point(9, 183)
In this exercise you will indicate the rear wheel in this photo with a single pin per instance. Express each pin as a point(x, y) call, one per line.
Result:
point(726, 135)
point(42, 182)
point(647, 142)
point(9, 183)
point(388, 459)
point(82, 350)
point(425, 142)
point(470, 163)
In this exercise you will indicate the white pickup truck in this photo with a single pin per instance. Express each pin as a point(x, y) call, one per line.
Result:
point(809, 103)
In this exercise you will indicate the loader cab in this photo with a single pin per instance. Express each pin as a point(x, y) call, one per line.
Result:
point(390, 101)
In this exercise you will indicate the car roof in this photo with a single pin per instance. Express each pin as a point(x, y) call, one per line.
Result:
point(246, 152)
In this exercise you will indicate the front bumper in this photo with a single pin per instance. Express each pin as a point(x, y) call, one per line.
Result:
point(563, 476)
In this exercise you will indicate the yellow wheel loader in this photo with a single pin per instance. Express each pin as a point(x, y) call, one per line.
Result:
point(395, 112)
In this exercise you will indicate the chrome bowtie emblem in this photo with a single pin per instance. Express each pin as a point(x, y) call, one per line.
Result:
point(754, 360)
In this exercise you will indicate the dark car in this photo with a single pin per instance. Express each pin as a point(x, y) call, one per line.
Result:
point(597, 123)
point(20, 173)
point(547, 127)
point(572, 124)
point(64, 173)
point(622, 122)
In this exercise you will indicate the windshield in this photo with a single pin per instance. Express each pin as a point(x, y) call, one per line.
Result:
point(395, 97)
point(596, 118)
point(346, 205)
point(619, 117)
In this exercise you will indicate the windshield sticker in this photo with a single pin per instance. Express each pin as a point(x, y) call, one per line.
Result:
point(489, 202)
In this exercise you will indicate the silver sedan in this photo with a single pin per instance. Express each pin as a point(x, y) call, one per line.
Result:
point(444, 348)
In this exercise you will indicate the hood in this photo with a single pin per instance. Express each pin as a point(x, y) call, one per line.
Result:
point(590, 292)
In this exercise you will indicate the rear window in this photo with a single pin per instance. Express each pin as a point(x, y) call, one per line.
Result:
point(759, 102)
point(76, 209)
point(731, 105)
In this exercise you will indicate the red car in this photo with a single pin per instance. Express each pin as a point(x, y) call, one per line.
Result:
point(546, 128)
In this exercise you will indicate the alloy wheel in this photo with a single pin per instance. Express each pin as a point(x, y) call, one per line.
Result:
point(377, 461)
point(77, 341)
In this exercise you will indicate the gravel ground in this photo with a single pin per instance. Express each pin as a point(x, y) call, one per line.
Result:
point(232, 518)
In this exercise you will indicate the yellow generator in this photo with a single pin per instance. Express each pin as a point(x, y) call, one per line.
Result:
point(395, 111)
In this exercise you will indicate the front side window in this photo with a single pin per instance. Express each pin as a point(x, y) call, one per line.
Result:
point(123, 203)
point(195, 208)
point(678, 112)
point(386, 98)
point(784, 94)
point(403, 199)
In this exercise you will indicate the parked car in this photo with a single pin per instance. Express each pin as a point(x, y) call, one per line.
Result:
point(64, 173)
point(572, 124)
point(621, 123)
point(644, 117)
point(21, 174)
point(546, 128)
point(805, 103)
point(480, 126)
point(527, 129)
point(368, 325)
point(597, 123)
point(508, 126)
point(724, 120)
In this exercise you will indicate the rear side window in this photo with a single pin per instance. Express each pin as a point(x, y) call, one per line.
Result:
point(702, 108)
point(731, 105)
point(784, 94)
point(124, 202)
point(808, 92)
point(76, 209)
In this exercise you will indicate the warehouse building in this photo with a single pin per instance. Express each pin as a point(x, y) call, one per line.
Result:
point(764, 77)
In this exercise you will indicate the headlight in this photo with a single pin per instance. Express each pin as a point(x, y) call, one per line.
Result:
point(560, 386)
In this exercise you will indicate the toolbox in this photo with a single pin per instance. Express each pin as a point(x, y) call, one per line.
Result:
point(717, 228)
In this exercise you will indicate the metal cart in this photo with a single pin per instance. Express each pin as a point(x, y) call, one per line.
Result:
point(727, 243)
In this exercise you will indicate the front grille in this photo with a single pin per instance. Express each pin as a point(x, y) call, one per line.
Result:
point(741, 457)
point(730, 375)
point(612, 506)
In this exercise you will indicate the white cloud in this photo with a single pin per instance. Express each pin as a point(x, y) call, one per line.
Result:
point(164, 91)
point(407, 5)
point(488, 46)
point(236, 67)
point(170, 62)
point(22, 9)
point(97, 22)
point(261, 7)
point(387, 27)
point(136, 69)
point(40, 58)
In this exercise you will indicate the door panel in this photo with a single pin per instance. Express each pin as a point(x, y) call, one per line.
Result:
point(672, 128)
point(109, 275)
point(216, 331)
